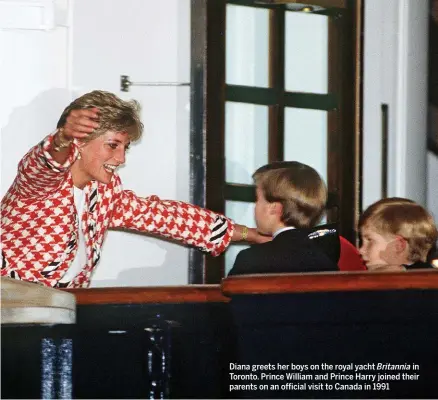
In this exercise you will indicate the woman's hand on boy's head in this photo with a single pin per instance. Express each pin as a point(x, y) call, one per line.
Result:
point(80, 123)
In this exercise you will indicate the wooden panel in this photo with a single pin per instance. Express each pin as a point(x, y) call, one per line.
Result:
point(215, 123)
point(358, 96)
point(276, 82)
point(198, 132)
point(320, 3)
point(329, 282)
point(334, 128)
point(251, 95)
point(240, 192)
point(147, 295)
point(343, 123)
point(433, 54)
point(277, 96)
point(277, 3)
point(251, 3)
point(312, 101)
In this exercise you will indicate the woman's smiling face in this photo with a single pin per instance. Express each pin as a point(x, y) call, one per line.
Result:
point(100, 158)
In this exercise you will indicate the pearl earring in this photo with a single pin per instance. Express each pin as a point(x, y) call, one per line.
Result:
point(79, 156)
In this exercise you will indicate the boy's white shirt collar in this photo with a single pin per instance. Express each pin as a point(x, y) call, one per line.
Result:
point(286, 228)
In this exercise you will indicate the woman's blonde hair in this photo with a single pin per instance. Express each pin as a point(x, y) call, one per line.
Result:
point(115, 114)
point(405, 218)
point(298, 187)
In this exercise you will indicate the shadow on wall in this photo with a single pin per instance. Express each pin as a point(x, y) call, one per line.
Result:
point(26, 126)
point(164, 262)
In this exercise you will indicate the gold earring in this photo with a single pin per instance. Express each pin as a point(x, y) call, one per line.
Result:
point(79, 156)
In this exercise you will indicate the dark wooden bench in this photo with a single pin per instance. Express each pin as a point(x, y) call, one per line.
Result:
point(186, 341)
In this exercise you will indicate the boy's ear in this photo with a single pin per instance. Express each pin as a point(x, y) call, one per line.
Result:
point(400, 244)
point(276, 208)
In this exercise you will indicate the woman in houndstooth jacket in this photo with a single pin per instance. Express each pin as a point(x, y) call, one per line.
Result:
point(67, 194)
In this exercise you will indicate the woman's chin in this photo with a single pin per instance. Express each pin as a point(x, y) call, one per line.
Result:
point(104, 178)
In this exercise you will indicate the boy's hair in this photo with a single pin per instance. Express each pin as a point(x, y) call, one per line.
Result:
point(299, 189)
point(405, 218)
point(114, 114)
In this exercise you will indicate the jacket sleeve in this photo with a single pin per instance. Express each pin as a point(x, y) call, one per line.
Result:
point(38, 173)
point(208, 231)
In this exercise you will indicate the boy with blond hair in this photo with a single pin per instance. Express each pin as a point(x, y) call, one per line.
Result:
point(397, 234)
point(291, 199)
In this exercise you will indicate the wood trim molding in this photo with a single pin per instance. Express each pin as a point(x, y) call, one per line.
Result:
point(198, 131)
point(277, 26)
point(358, 96)
point(328, 282)
point(321, 3)
point(149, 295)
point(277, 3)
point(214, 123)
point(260, 284)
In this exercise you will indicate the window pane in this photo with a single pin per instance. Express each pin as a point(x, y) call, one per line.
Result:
point(241, 213)
point(306, 53)
point(305, 138)
point(247, 37)
point(246, 140)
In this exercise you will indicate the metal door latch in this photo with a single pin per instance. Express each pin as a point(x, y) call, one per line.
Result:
point(126, 83)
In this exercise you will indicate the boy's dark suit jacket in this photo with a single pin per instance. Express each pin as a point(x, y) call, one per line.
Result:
point(290, 251)
point(418, 265)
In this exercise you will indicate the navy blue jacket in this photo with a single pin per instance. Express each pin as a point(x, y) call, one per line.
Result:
point(290, 251)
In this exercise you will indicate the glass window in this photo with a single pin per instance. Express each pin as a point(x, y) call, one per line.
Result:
point(306, 53)
point(305, 138)
point(246, 141)
point(247, 46)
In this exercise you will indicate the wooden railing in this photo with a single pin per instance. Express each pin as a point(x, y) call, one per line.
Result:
point(148, 295)
point(330, 282)
point(260, 284)
point(334, 318)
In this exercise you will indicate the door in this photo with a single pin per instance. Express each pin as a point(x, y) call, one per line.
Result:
point(282, 83)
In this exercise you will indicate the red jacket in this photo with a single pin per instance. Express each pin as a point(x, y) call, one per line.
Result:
point(40, 229)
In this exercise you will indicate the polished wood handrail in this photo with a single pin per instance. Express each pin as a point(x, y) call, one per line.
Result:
point(260, 284)
point(329, 282)
point(149, 295)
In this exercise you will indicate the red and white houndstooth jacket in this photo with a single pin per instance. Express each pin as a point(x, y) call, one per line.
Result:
point(40, 229)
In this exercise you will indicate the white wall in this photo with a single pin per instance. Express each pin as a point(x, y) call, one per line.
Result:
point(44, 67)
point(149, 41)
point(34, 77)
point(395, 71)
